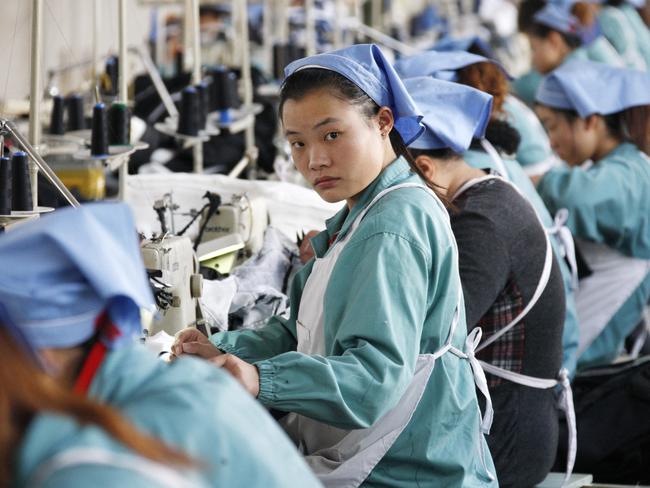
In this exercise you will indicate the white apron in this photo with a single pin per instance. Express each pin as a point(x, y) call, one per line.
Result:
point(565, 402)
point(342, 458)
point(614, 278)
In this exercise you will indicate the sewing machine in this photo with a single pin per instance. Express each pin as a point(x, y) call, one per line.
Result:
point(243, 215)
point(173, 270)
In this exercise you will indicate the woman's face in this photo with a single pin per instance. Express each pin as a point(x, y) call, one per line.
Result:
point(335, 147)
point(575, 141)
point(547, 53)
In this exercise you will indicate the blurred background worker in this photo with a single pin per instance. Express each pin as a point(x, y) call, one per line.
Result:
point(598, 113)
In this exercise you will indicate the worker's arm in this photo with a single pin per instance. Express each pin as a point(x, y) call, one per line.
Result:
point(375, 307)
point(276, 337)
point(602, 201)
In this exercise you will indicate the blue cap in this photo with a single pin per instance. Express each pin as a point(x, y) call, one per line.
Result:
point(589, 88)
point(442, 65)
point(454, 114)
point(367, 67)
point(463, 44)
point(60, 272)
point(558, 16)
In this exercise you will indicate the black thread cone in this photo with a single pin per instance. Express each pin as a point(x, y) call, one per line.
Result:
point(232, 91)
point(189, 116)
point(75, 106)
point(56, 117)
point(224, 89)
point(119, 124)
point(216, 75)
point(5, 186)
point(21, 188)
point(280, 60)
point(99, 134)
point(178, 63)
point(204, 102)
point(296, 52)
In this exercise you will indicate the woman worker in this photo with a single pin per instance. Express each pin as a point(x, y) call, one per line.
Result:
point(512, 285)
point(82, 403)
point(492, 153)
point(534, 151)
point(600, 114)
point(558, 32)
point(623, 27)
point(369, 363)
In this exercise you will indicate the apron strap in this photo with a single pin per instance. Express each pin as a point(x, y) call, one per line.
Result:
point(565, 402)
point(541, 285)
point(567, 246)
point(496, 158)
point(382, 193)
point(472, 340)
point(475, 181)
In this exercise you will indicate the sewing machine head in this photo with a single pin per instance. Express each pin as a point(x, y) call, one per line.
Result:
point(243, 215)
point(173, 271)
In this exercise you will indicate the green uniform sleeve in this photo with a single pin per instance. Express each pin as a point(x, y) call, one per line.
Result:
point(276, 337)
point(526, 85)
point(612, 23)
point(251, 345)
point(374, 311)
point(599, 201)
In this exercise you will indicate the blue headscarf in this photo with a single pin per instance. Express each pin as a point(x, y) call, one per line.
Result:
point(557, 16)
point(589, 88)
point(463, 44)
point(454, 114)
point(440, 64)
point(367, 67)
point(60, 272)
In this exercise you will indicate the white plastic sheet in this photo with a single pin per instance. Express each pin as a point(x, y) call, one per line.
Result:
point(291, 208)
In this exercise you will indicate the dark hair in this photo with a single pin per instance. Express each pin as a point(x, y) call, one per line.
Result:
point(528, 25)
point(444, 154)
point(613, 122)
point(635, 126)
point(503, 136)
point(302, 82)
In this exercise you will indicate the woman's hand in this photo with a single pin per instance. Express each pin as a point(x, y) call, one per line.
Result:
point(305, 250)
point(191, 341)
point(247, 374)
